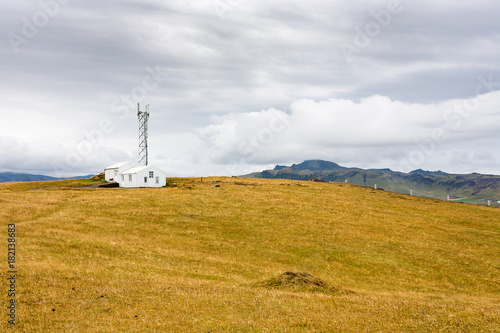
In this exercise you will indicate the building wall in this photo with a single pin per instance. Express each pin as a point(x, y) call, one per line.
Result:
point(109, 175)
point(128, 180)
point(113, 175)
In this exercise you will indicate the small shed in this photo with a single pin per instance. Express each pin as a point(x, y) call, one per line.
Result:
point(112, 173)
point(143, 176)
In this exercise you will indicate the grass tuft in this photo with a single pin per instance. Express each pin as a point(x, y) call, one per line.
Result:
point(298, 281)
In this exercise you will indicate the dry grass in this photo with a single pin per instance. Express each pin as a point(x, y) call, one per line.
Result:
point(187, 258)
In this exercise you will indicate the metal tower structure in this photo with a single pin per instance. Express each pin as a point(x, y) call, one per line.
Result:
point(143, 134)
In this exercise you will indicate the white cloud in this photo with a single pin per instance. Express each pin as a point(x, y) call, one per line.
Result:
point(373, 130)
point(55, 159)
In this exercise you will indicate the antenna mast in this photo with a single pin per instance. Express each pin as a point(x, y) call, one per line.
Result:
point(143, 134)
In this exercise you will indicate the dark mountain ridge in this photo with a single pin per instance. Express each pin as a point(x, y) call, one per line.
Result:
point(433, 184)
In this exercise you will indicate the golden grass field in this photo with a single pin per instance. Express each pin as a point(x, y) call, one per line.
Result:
point(207, 256)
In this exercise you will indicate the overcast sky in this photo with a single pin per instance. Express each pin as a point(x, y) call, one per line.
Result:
point(236, 86)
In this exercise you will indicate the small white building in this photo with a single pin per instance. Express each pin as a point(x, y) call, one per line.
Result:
point(112, 173)
point(143, 176)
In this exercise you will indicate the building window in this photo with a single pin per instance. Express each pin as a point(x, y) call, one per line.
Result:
point(145, 179)
point(151, 174)
point(129, 178)
point(157, 180)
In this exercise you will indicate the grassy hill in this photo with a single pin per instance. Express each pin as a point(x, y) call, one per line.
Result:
point(438, 185)
point(249, 255)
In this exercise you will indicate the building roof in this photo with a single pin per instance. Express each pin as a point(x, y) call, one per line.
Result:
point(138, 169)
point(118, 165)
point(134, 170)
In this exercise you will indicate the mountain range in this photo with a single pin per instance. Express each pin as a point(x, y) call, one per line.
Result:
point(432, 184)
point(27, 177)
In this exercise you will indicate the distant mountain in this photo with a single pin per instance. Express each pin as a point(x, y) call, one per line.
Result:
point(433, 184)
point(423, 172)
point(26, 177)
point(316, 165)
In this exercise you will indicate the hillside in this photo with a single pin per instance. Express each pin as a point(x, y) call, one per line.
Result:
point(467, 187)
point(27, 177)
point(249, 255)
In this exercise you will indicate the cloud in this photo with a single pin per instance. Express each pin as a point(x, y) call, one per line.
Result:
point(374, 130)
point(223, 61)
point(53, 158)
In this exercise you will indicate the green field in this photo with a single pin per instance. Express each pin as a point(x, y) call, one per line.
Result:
point(211, 256)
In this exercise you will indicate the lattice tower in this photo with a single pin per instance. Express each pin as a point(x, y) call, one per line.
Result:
point(143, 134)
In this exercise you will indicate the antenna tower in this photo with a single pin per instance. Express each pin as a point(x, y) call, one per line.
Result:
point(143, 134)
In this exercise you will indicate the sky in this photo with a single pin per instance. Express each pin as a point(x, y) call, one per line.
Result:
point(236, 86)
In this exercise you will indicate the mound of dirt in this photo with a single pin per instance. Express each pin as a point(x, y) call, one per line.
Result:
point(99, 177)
point(298, 281)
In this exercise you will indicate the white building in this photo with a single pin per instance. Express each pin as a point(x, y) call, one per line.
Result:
point(111, 173)
point(143, 176)
point(130, 174)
